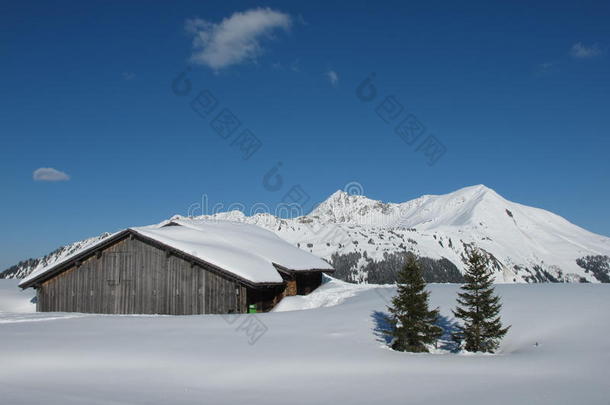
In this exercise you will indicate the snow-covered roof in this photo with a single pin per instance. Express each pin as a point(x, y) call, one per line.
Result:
point(247, 251)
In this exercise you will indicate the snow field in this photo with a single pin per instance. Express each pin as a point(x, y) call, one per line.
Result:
point(329, 353)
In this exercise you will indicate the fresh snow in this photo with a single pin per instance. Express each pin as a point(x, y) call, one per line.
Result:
point(15, 300)
point(519, 237)
point(327, 295)
point(556, 352)
point(248, 251)
point(523, 240)
point(245, 238)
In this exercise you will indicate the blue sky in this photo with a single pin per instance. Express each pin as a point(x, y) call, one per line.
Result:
point(518, 96)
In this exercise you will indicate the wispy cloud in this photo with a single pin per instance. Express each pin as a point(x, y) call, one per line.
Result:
point(581, 51)
point(128, 75)
point(49, 174)
point(235, 39)
point(332, 76)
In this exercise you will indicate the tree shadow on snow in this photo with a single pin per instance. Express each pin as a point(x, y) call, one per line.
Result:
point(383, 327)
point(446, 341)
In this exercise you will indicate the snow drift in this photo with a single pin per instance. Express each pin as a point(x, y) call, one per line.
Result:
point(555, 353)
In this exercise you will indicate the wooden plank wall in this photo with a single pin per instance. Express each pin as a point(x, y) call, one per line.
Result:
point(133, 277)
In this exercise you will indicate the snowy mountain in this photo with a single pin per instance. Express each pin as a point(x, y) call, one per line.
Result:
point(366, 240)
point(25, 267)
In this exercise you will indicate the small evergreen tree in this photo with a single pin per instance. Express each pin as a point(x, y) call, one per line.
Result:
point(414, 325)
point(479, 308)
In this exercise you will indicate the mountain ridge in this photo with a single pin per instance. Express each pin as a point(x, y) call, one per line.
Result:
point(367, 240)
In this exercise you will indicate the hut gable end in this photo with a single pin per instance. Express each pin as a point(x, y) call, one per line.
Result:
point(178, 267)
point(131, 276)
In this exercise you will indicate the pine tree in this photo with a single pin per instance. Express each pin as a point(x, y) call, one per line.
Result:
point(414, 325)
point(479, 308)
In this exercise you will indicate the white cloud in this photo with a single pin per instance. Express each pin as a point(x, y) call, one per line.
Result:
point(234, 39)
point(581, 51)
point(332, 76)
point(50, 174)
point(128, 75)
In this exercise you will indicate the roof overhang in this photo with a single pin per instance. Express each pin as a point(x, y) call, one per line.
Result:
point(283, 269)
point(66, 264)
point(98, 247)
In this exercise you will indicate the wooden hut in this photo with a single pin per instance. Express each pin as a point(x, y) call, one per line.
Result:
point(179, 267)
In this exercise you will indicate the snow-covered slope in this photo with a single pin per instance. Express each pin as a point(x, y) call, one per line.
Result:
point(28, 266)
point(554, 353)
point(365, 239)
point(15, 300)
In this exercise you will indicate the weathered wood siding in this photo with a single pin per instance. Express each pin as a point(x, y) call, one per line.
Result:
point(134, 277)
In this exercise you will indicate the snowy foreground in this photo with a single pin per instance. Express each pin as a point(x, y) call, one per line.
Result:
point(329, 353)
